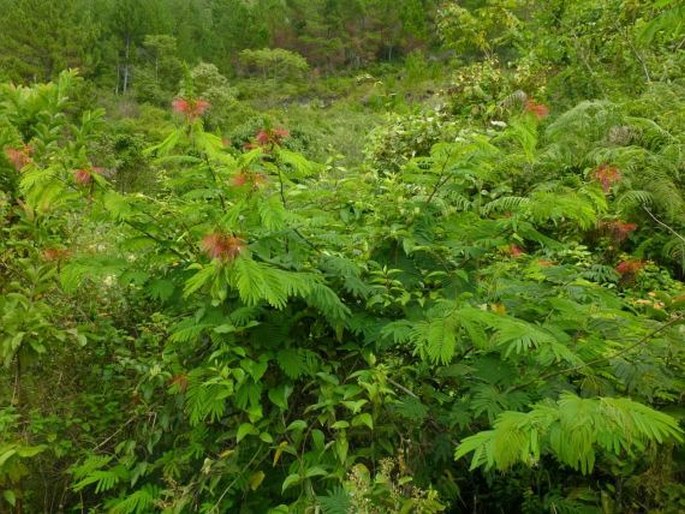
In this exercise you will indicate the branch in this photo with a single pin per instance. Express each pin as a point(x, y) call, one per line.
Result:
point(216, 182)
point(116, 432)
point(156, 239)
point(618, 353)
point(309, 242)
point(635, 51)
point(402, 388)
point(582, 56)
point(442, 180)
point(671, 230)
point(215, 508)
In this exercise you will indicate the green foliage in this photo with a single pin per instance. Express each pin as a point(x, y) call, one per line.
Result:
point(573, 429)
point(389, 491)
point(207, 83)
point(392, 145)
point(274, 63)
point(14, 459)
point(157, 76)
point(192, 324)
point(43, 38)
point(484, 29)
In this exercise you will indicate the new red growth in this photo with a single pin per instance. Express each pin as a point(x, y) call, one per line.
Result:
point(515, 251)
point(240, 179)
point(629, 267)
point(180, 381)
point(254, 180)
point(19, 157)
point(607, 176)
point(617, 229)
point(222, 246)
point(53, 254)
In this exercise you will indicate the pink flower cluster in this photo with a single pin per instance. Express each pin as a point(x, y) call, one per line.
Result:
point(191, 108)
point(223, 247)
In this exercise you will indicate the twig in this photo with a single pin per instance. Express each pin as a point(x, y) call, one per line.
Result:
point(442, 180)
point(582, 56)
point(17, 382)
point(680, 45)
point(230, 486)
point(282, 188)
point(216, 182)
point(156, 239)
point(671, 230)
point(638, 56)
point(402, 388)
point(170, 213)
point(118, 431)
point(309, 242)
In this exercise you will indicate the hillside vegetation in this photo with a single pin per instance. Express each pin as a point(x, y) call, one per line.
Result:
point(342, 256)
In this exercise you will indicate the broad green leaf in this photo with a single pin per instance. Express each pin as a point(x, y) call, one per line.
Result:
point(298, 426)
point(363, 419)
point(10, 497)
point(244, 430)
point(256, 480)
point(291, 480)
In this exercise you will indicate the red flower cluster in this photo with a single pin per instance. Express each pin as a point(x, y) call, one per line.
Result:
point(19, 157)
point(267, 137)
point(83, 176)
point(222, 246)
point(629, 267)
point(607, 176)
point(53, 254)
point(191, 108)
point(618, 230)
point(538, 110)
point(515, 251)
point(244, 177)
point(240, 179)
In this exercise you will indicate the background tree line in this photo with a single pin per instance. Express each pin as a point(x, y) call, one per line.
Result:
point(106, 39)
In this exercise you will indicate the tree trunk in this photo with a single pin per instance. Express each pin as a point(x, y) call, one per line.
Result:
point(127, 63)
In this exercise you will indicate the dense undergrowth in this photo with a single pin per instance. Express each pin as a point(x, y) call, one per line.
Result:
point(415, 288)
